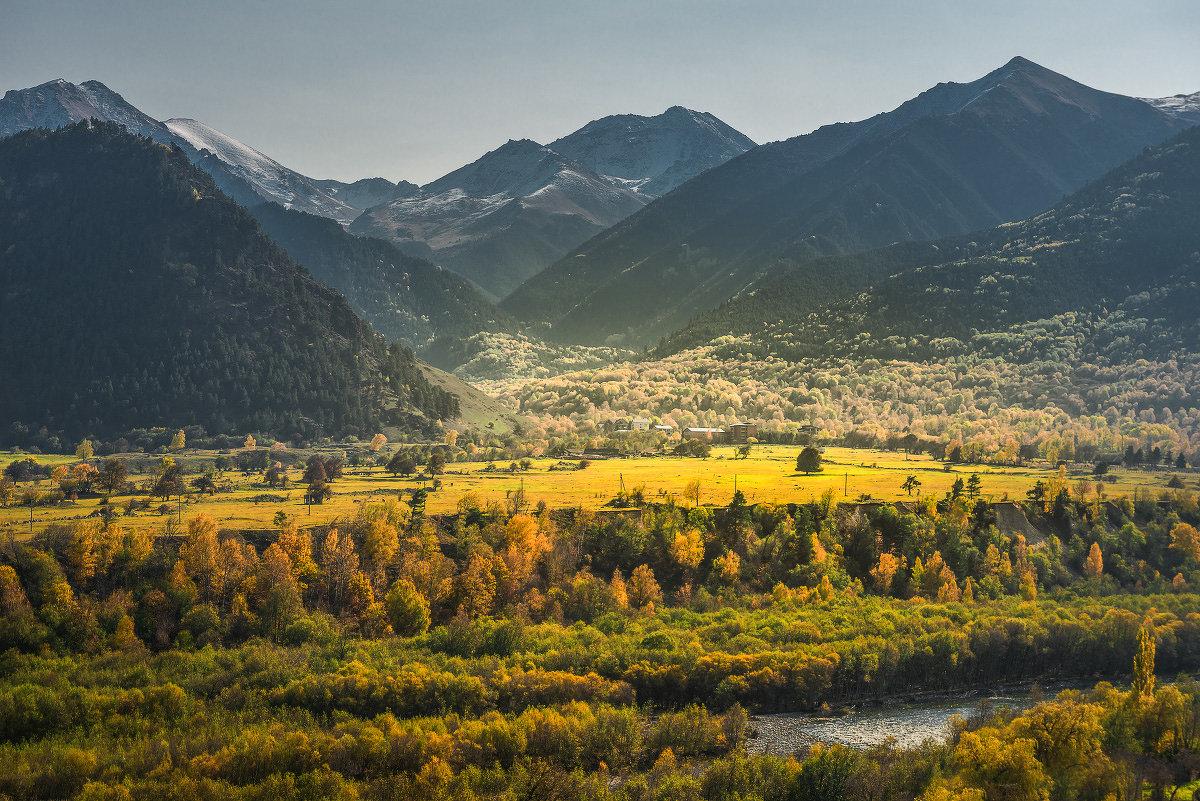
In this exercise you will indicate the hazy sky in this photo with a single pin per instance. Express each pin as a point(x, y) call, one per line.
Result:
point(411, 90)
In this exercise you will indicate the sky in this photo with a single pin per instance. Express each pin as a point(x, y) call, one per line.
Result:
point(412, 90)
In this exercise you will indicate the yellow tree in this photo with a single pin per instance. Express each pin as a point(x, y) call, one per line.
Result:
point(377, 442)
point(1185, 540)
point(1143, 665)
point(85, 450)
point(178, 441)
point(642, 589)
point(200, 554)
point(884, 572)
point(13, 601)
point(1094, 565)
point(476, 587)
point(81, 555)
point(250, 442)
point(278, 593)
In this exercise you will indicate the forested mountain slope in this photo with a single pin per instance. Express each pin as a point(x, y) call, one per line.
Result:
point(135, 294)
point(958, 158)
point(1120, 259)
point(404, 298)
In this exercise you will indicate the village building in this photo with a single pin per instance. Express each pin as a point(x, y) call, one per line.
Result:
point(743, 432)
point(640, 424)
point(713, 435)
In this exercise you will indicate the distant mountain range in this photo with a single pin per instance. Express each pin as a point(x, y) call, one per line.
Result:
point(243, 173)
point(496, 221)
point(1110, 275)
point(138, 295)
point(957, 158)
point(504, 217)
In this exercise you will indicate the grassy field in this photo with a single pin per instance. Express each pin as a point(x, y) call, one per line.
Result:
point(767, 475)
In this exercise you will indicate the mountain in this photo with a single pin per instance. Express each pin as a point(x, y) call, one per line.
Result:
point(1110, 275)
point(240, 171)
point(267, 178)
point(368, 192)
point(404, 298)
point(503, 217)
point(135, 294)
point(1186, 107)
point(957, 158)
point(506, 216)
point(57, 103)
point(653, 155)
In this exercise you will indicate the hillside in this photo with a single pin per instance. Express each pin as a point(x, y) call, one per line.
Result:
point(167, 306)
point(958, 158)
point(1119, 256)
point(1072, 332)
point(404, 298)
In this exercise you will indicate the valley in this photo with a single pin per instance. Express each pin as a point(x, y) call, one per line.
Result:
point(602, 468)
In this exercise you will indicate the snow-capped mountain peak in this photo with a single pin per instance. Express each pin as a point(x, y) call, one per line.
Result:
point(653, 154)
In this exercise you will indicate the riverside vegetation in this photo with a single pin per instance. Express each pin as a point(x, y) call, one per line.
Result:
point(517, 651)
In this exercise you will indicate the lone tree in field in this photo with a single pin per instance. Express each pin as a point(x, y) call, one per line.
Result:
point(315, 472)
point(911, 483)
point(402, 464)
point(437, 463)
point(377, 442)
point(178, 441)
point(112, 476)
point(974, 486)
point(84, 451)
point(809, 461)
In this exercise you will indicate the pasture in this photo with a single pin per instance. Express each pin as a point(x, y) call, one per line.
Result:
point(767, 475)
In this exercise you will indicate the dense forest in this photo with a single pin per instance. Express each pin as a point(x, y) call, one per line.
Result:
point(166, 305)
point(517, 652)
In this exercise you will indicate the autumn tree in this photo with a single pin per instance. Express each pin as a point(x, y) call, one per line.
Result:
point(84, 450)
point(277, 591)
point(201, 554)
point(407, 609)
point(884, 572)
point(642, 589)
point(377, 443)
point(401, 464)
point(1093, 567)
point(112, 476)
point(178, 441)
point(1143, 664)
point(314, 471)
point(1185, 540)
point(168, 482)
point(437, 463)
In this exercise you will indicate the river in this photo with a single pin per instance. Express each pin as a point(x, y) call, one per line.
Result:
point(909, 724)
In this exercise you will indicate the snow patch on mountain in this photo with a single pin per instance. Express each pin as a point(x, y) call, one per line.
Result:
point(268, 177)
point(1186, 107)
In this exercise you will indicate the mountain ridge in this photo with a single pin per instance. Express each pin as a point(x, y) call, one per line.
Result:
point(956, 158)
